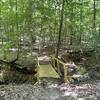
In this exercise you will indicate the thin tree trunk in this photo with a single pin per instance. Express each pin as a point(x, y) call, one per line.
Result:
point(81, 19)
point(99, 33)
point(94, 16)
point(94, 24)
point(17, 30)
point(60, 29)
point(39, 46)
point(71, 27)
point(99, 29)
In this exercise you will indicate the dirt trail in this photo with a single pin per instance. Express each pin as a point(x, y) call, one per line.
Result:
point(85, 91)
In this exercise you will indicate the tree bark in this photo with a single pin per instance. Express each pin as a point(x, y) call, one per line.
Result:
point(81, 20)
point(94, 16)
point(60, 29)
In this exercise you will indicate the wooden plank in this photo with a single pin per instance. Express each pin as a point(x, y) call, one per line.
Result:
point(47, 71)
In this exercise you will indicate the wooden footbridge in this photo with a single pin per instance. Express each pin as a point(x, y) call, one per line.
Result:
point(52, 70)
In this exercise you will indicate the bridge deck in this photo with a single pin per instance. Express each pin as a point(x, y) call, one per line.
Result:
point(47, 71)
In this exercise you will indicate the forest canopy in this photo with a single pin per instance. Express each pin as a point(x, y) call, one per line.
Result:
point(29, 25)
point(47, 44)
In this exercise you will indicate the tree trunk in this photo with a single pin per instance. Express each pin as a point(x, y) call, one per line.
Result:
point(60, 29)
point(81, 19)
point(99, 29)
point(71, 27)
point(94, 16)
point(17, 30)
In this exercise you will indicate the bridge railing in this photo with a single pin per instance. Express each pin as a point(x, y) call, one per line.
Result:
point(56, 64)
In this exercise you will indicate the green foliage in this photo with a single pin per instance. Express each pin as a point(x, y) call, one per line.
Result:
point(41, 18)
point(82, 70)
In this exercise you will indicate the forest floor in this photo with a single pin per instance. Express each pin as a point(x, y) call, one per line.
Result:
point(84, 91)
point(88, 90)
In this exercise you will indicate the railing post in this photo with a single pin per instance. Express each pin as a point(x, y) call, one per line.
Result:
point(65, 74)
point(65, 68)
point(38, 69)
point(58, 67)
point(38, 73)
point(54, 62)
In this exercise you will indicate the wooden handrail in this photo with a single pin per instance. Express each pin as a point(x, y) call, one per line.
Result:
point(58, 60)
point(65, 66)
